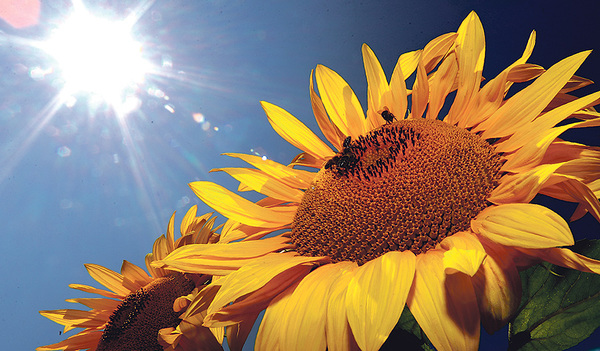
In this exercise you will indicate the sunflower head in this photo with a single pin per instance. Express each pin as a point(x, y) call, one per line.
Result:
point(403, 186)
point(137, 305)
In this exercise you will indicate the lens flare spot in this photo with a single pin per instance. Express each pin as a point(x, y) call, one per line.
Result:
point(63, 151)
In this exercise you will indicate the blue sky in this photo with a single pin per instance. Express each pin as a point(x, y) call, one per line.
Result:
point(79, 185)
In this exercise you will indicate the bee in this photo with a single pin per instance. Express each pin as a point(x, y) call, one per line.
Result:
point(347, 142)
point(387, 115)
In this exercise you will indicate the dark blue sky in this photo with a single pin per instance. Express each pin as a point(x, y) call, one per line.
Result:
point(110, 197)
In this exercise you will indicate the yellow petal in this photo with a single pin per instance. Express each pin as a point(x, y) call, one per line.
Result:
point(75, 318)
point(527, 104)
point(188, 219)
point(436, 49)
point(308, 305)
point(256, 275)
point(221, 258)
point(79, 341)
point(445, 306)
point(376, 296)
point(470, 52)
point(92, 290)
point(294, 178)
point(268, 337)
point(341, 103)
point(582, 194)
point(441, 85)
point(533, 151)
point(295, 132)
point(522, 187)
point(524, 72)
point(238, 333)
point(237, 208)
point(378, 90)
point(546, 121)
point(405, 66)
point(498, 287)
point(420, 93)
point(134, 274)
point(108, 278)
point(339, 335)
point(259, 181)
point(565, 258)
point(331, 132)
point(523, 225)
point(464, 253)
point(99, 304)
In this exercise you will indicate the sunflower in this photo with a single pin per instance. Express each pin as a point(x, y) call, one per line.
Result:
point(138, 305)
point(416, 207)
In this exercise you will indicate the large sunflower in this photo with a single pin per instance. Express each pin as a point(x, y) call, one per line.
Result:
point(138, 305)
point(416, 209)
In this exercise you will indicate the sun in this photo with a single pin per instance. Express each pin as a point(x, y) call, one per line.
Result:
point(98, 57)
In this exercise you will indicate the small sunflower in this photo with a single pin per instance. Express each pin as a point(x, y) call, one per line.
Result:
point(139, 306)
point(413, 209)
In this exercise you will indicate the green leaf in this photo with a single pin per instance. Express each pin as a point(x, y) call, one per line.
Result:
point(408, 334)
point(560, 307)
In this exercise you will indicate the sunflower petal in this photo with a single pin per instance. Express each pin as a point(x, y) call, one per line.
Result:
point(470, 52)
point(527, 104)
point(295, 132)
point(308, 305)
point(256, 275)
point(108, 278)
point(523, 225)
point(565, 258)
point(221, 259)
point(546, 121)
point(259, 181)
point(522, 187)
point(330, 130)
point(436, 49)
point(464, 253)
point(405, 66)
point(441, 85)
point(79, 341)
point(92, 290)
point(445, 306)
point(188, 220)
point(420, 93)
point(268, 337)
point(74, 318)
point(237, 208)
point(134, 274)
point(339, 334)
point(377, 85)
point(376, 296)
point(341, 103)
point(294, 178)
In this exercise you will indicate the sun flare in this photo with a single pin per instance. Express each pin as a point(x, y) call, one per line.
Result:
point(98, 57)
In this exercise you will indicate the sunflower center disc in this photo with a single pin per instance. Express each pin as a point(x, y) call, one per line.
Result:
point(404, 186)
point(134, 325)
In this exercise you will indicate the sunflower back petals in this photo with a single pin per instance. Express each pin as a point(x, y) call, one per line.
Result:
point(527, 104)
point(134, 274)
point(523, 225)
point(441, 84)
point(378, 90)
point(436, 50)
point(420, 93)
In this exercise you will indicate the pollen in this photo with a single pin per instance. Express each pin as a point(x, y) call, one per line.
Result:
point(134, 325)
point(405, 186)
